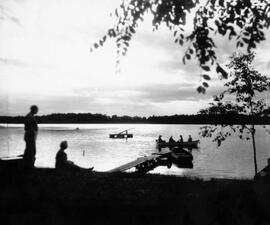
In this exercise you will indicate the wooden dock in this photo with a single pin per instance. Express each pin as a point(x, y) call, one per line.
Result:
point(144, 164)
point(11, 164)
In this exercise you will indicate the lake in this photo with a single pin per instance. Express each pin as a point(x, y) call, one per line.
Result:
point(90, 145)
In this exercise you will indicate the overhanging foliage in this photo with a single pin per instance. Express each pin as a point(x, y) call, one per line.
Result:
point(243, 20)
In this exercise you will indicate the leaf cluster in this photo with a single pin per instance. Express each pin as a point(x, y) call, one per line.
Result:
point(221, 132)
point(244, 20)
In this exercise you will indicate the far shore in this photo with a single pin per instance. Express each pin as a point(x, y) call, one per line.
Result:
point(90, 118)
point(44, 196)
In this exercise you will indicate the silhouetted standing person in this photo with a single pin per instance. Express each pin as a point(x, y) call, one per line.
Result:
point(30, 136)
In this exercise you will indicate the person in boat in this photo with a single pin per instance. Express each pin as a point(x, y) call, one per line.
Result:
point(181, 139)
point(160, 140)
point(189, 138)
point(171, 140)
point(63, 164)
point(30, 136)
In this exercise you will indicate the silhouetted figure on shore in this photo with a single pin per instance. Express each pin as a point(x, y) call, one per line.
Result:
point(265, 172)
point(180, 139)
point(189, 138)
point(63, 164)
point(30, 136)
point(171, 140)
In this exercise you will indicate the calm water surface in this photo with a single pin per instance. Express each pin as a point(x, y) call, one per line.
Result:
point(91, 146)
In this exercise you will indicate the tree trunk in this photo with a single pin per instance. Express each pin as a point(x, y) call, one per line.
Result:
point(254, 149)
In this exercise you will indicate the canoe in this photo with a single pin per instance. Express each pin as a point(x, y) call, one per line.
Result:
point(185, 144)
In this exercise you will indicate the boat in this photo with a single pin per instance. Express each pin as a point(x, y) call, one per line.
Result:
point(122, 134)
point(181, 157)
point(180, 154)
point(185, 144)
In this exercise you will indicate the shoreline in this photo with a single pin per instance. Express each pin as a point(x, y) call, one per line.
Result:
point(45, 196)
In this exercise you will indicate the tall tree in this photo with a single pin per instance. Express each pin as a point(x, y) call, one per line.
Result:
point(242, 96)
point(244, 20)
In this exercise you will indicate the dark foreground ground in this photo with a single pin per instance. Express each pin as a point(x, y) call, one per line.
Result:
point(46, 197)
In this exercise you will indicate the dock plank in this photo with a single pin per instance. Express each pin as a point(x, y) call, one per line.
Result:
point(139, 161)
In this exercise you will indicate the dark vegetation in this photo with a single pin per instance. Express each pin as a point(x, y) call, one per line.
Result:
point(44, 196)
point(230, 118)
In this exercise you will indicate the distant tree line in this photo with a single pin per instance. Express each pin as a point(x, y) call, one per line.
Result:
point(201, 118)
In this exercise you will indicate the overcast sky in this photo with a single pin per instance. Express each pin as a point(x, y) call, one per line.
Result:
point(45, 60)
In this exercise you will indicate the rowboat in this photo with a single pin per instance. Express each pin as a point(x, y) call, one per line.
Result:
point(122, 134)
point(182, 158)
point(180, 154)
point(185, 144)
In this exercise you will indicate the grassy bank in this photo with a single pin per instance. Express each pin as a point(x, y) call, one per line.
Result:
point(46, 197)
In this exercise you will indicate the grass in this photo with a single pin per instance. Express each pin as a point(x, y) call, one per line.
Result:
point(44, 196)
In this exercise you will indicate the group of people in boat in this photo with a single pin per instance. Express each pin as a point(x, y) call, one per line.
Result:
point(171, 140)
point(30, 136)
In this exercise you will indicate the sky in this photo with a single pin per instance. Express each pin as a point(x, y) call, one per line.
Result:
point(45, 60)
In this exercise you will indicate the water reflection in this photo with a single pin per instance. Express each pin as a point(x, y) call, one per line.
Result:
point(233, 159)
